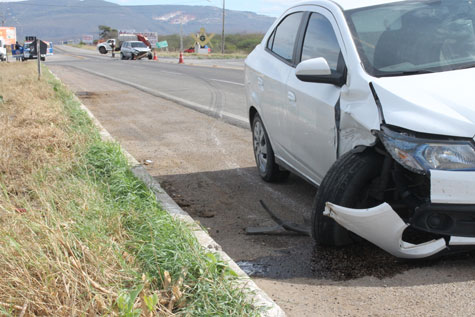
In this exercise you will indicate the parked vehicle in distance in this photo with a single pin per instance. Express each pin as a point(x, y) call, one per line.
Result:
point(50, 51)
point(106, 46)
point(135, 50)
point(3, 50)
point(29, 50)
point(373, 102)
point(192, 50)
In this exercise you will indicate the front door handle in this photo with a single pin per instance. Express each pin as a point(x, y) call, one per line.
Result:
point(291, 96)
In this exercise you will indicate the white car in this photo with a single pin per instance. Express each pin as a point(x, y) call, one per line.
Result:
point(135, 50)
point(374, 102)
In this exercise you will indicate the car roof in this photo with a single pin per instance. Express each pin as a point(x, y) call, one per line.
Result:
point(355, 4)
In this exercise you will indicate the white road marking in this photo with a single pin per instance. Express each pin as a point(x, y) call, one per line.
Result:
point(226, 82)
point(173, 73)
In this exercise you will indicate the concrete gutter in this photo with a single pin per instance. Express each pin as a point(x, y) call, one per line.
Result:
point(256, 295)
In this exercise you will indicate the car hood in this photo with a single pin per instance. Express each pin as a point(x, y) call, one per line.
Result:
point(438, 103)
point(141, 49)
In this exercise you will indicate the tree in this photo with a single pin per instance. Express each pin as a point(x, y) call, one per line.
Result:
point(106, 32)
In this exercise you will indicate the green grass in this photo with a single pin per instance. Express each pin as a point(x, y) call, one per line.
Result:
point(84, 46)
point(157, 242)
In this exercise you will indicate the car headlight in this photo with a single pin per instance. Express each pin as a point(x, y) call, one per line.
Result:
point(421, 155)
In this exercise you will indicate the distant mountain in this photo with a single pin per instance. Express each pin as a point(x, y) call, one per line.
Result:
point(57, 20)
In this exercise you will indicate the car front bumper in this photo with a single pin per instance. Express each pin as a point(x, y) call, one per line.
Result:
point(451, 213)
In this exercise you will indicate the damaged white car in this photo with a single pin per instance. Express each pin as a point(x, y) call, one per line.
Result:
point(374, 102)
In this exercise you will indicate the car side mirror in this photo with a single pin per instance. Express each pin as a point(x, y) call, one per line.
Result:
point(317, 70)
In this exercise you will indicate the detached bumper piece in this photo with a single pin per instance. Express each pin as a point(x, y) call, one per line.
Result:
point(383, 227)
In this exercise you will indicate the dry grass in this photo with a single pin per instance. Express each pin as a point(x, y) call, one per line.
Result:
point(79, 234)
point(49, 263)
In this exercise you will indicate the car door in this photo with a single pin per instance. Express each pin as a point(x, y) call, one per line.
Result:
point(275, 67)
point(126, 49)
point(311, 106)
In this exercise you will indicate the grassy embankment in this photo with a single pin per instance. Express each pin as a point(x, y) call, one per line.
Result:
point(79, 234)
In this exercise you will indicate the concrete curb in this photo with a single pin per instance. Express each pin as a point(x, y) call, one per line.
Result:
point(257, 296)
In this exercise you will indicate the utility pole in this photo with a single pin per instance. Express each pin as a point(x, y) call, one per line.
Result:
point(38, 54)
point(181, 35)
point(222, 33)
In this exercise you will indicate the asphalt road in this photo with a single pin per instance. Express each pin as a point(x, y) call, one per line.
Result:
point(207, 166)
point(219, 89)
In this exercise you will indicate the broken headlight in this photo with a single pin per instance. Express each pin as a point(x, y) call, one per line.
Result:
point(421, 155)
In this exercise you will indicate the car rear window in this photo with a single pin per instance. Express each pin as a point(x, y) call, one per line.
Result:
point(282, 40)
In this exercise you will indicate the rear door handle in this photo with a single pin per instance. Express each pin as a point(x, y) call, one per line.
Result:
point(291, 96)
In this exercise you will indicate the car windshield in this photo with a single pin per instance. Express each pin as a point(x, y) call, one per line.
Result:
point(414, 37)
point(138, 44)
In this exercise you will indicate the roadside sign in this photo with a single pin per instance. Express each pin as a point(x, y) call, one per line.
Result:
point(9, 34)
point(88, 39)
point(152, 37)
point(162, 44)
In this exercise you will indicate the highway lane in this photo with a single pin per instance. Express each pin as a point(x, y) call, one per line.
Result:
point(219, 90)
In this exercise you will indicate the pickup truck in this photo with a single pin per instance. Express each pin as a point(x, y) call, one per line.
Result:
point(106, 47)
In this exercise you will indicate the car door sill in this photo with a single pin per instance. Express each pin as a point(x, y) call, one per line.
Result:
point(293, 170)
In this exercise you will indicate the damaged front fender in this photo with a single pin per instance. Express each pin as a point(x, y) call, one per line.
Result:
point(383, 227)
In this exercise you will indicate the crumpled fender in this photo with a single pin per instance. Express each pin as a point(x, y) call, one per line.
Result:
point(383, 227)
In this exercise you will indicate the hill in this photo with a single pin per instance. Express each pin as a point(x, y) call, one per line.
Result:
point(58, 20)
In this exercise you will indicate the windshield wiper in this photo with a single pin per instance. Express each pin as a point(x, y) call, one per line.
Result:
point(408, 73)
point(465, 67)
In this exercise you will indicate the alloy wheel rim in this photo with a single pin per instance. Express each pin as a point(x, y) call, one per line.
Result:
point(260, 146)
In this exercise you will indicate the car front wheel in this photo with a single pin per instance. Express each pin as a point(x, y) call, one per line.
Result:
point(264, 154)
point(347, 184)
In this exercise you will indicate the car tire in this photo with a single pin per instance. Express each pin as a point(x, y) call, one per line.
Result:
point(122, 57)
point(43, 59)
point(102, 50)
point(264, 154)
point(150, 56)
point(346, 185)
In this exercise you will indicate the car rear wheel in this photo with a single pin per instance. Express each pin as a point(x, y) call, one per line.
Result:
point(102, 50)
point(264, 154)
point(346, 184)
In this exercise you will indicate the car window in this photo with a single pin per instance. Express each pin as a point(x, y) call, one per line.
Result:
point(138, 44)
point(283, 39)
point(414, 37)
point(320, 41)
